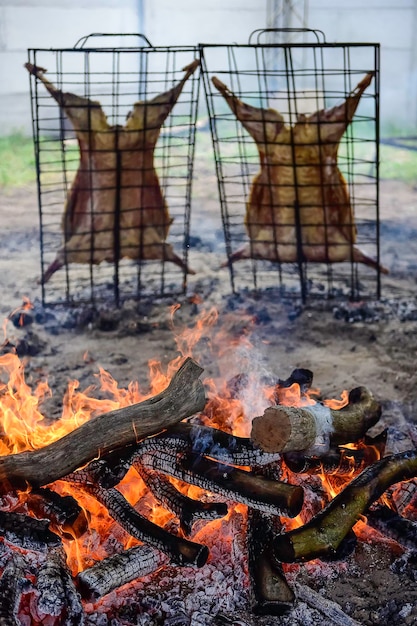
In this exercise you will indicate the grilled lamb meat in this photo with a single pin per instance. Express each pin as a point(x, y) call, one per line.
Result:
point(115, 207)
point(299, 206)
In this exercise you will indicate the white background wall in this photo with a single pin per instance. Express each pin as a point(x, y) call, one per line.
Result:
point(60, 23)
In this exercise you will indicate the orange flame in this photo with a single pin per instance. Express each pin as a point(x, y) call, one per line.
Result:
point(24, 427)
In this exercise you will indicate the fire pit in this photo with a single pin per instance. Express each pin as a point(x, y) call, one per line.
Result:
point(246, 513)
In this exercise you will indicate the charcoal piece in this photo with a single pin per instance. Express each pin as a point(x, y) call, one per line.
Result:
point(331, 610)
point(340, 461)
point(208, 441)
point(302, 377)
point(119, 569)
point(12, 584)
point(50, 586)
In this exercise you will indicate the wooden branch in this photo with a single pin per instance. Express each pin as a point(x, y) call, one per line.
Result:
point(323, 535)
point(183, 397)
point(314, 429)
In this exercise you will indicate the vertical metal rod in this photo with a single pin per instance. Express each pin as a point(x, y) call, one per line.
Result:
point(289, 73)
point(34, 105)
point(377, 79)
point(87, 94)
point(64, 171)
point(118, 181)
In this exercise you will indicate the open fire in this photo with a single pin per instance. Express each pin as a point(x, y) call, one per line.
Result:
point(131, 491)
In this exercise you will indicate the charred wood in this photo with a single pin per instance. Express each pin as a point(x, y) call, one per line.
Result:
point(403, 498)
point(59, 510)
point(50, 587)
point(340, 461)
point(270, 496)
point(212, 442)
point(183, 397)
point(302, 377)
point(27, 532)
point(117, 570)
point(271, 593)
point(324, 533)
point(180, 550)
point(314, 429)
point(395, 526)
point(12, 584)
point(231, 483)
point(187, 510)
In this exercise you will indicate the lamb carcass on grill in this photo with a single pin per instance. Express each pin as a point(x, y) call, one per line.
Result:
point(115, 207)
point(299, 207)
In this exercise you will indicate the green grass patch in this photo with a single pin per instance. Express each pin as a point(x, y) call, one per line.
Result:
point(18, 168)
point(17, 161)
point(398, 164)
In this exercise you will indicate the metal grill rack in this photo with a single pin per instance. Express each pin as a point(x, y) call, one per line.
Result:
point(286, 225)
point(108, 190)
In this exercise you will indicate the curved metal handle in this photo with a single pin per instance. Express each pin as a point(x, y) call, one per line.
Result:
point(83, 40)
point(262, 31)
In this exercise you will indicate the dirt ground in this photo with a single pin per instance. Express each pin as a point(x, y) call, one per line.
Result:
point(371, 344)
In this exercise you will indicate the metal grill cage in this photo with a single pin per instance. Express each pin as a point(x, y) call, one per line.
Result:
point(297, 80)
point(96, 243)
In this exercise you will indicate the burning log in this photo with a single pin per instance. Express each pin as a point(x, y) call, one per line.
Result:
point(314, 429)
point(270, 496)
point(212, 442)
point(12, 585)
point(115, 208)
point(324, 533)
point(187, 510)
point(117, 570)
point(180, 550)
point(183, 397)
point(27, 532)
